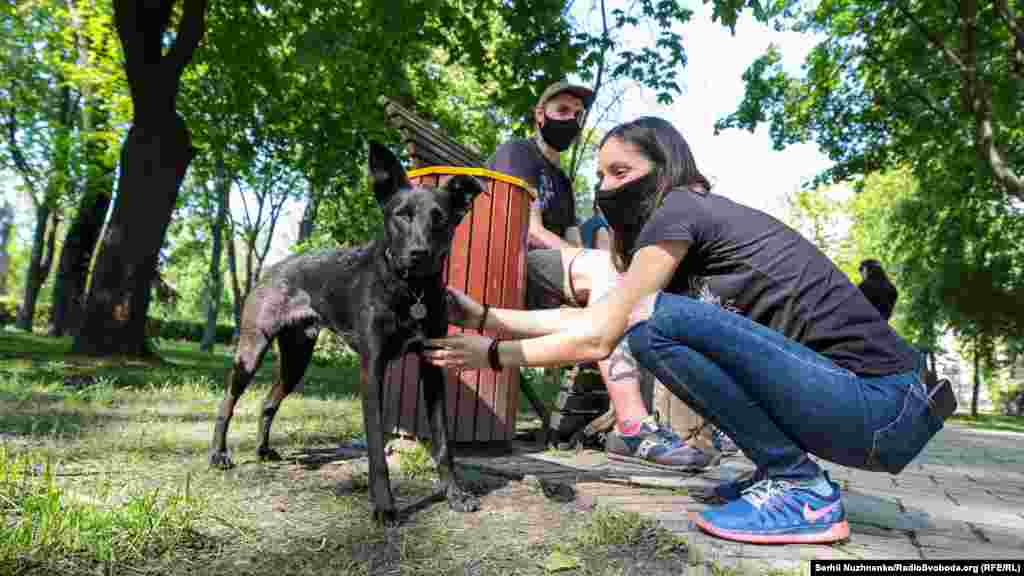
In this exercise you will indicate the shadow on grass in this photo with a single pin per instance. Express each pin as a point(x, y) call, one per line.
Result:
point(55, 423)
point(49, 360)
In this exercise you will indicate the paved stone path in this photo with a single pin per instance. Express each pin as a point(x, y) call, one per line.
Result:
point(963, 497)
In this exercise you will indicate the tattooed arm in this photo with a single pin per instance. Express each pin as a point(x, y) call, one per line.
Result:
point(590, 336)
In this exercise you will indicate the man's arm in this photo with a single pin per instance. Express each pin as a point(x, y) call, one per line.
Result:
point(541, 237)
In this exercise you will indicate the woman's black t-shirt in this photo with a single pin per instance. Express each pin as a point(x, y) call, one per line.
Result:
point(747, 261)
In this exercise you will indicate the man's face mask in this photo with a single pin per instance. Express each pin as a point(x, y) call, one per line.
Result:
point(559, 134)
point(627, 207)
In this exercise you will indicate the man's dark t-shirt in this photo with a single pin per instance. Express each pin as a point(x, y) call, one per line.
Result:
point(747, 261)
point(522, 158)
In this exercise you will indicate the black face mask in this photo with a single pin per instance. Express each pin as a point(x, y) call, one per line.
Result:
point(627, 207)
point(559, 134)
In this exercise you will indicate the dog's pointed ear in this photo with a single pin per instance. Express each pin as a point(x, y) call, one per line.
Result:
point(462, 189)
point(386, 172)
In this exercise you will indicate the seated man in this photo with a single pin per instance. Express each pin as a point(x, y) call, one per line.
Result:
point(560, 273)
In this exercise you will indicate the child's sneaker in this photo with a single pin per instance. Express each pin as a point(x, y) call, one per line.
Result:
point(730, 490)
point(721, 441)
point(779, 512)
point(658, 447)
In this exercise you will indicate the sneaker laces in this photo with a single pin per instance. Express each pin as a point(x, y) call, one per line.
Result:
point(761, 492)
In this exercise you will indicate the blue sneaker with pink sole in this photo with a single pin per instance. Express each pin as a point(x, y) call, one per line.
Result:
point(775, 511)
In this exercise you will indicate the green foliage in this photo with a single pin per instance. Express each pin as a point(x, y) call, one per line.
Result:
point(8, 310)
point(818, 216)
point(415, 461)
point(348, 217)
point(332, 351)
point(9, 306)
point(878, 92)
point(902, 100)
point(186, 330)
point(55, 53)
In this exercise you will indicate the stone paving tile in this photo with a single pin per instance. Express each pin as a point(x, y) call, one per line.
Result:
point(977, 498)
point(946, 540)
point(862, 508)
point(874, 530)
point(794, 554)
point(1012, 501)
point(869, 546)
point(962, 498)
point(992, 472)
point(942, 508)
point(1001, 537)
point(960, 550)
point(947, 527)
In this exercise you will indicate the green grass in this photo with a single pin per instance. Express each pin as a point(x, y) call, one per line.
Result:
point(103, 469)
point(991, 422)
point(54, 523)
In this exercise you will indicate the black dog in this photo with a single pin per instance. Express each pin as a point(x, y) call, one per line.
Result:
point(877, 287)
point(382, 298)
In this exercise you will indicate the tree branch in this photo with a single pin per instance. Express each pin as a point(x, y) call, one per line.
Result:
point(932, 39)
point(969, 53)
point(980, 103)
point(989, 150)
point(911, 91)
point(20, 162)
point(1017, 32)
point(190, 32)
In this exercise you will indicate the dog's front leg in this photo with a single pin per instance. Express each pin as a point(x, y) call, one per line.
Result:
point(373, 370)
point(435, 397)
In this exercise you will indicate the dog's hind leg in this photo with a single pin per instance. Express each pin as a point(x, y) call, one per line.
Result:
point(295, 345)
point(252, 346)
point(434, 396)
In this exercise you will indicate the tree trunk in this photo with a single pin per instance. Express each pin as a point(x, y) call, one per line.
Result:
point(155, 157)
point(6, 226)
point(215, 281)
point(308, 222)
point(81, 238)
point(236, 290)
point(84, 233)
point(977, 380)
point(43, 243)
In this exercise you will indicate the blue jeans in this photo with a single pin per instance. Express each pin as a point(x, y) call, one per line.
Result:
point(778, 399)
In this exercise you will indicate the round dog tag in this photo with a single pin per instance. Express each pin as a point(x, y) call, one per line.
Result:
point(418, 311)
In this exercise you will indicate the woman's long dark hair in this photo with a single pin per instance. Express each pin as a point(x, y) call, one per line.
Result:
point(669, 154)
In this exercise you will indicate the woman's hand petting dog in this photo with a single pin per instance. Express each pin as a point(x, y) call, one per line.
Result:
point(458, 351)
point(462, 310)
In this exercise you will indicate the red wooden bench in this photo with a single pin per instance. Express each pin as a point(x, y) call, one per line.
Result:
point(488, 262)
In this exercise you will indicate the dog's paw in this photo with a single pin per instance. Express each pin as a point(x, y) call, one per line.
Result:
point(268, 455)
point(460, 500)
point(221, 460)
